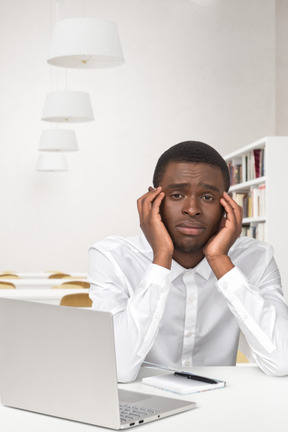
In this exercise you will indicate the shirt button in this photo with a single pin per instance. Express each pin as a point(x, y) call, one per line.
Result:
point(187, 363)
point(188, 334)
point(190, 299)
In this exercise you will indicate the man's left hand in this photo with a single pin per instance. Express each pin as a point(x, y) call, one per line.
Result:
point(216, 249)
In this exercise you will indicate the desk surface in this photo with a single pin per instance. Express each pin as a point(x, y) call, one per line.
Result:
point(35, 283)
point(41, 275)
point(251, 402)
point(49, 295)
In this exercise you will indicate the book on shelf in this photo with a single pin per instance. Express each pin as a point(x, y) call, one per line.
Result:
point(248, 167)
point(252, 201)
point(255, 230)
point(236, 171)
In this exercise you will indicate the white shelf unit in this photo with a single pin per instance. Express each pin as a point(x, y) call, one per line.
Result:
point(276, 201)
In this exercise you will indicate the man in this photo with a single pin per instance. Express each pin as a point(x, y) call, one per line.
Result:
point(181, 291)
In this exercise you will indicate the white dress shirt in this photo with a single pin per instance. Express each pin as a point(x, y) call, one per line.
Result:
point(185, 317)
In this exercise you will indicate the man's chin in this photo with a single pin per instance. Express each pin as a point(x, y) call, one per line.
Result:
point(188, 248)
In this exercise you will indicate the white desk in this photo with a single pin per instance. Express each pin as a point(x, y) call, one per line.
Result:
point(35, 283)
point(251, 402)
point(43, 295)
point(45, 275)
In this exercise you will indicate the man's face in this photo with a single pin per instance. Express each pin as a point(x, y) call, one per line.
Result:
point(191, 209)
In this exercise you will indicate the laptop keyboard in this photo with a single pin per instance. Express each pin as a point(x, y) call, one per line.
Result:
point(130, 413)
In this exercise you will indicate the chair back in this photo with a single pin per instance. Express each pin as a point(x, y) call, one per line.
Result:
point(72, 285)
point(9, 276)
point(76, 300)
point(77, 284)
point(7, 285)
point(58, 275)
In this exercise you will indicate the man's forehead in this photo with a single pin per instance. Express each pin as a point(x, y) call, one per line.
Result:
point(182, 173)
point(186, 168)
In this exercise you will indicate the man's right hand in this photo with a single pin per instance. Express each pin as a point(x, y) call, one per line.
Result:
point(153, 227)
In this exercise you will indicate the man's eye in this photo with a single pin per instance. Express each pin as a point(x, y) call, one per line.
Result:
point(177, 196)
point(208, 198)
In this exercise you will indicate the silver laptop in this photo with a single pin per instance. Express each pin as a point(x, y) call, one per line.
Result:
point(60, 361)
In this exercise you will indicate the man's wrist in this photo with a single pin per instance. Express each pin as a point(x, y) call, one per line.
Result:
point(163, 260)
point(220, 264)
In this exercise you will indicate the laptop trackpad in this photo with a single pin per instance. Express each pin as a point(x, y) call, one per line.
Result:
point(131, 396)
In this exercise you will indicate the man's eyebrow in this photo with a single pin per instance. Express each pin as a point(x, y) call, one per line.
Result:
point(177, 185)
point(209, 186)
point(186, 185)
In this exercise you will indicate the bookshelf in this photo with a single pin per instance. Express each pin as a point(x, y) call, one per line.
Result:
point(258, 183)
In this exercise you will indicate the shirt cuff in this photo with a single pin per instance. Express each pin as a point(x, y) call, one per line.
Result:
point(231, 281)
point(157, 277)
point(156, 274)
point(228, 285)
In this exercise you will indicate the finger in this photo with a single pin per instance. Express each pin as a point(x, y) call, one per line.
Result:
point(150, 195)
point(238, 210)
point(222, 223)
point(230, 215)
point(233, 214)
point(157, 203)
point(152, 209)
point(145, 202)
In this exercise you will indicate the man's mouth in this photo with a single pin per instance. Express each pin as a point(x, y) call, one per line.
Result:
point(190, 228)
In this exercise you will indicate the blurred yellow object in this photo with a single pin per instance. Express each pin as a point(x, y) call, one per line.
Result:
point(7, 285)
point(241, 358)
point(76, 300)
point(72, 284)
point(58, 276)
point(8, 276)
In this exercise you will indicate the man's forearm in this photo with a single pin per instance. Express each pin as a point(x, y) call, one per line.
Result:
point(262, 316)
point(137, 326)
point(220, 264)
point(163, 260)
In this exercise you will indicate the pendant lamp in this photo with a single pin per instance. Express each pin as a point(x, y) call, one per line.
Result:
point(67, 106)
point(58, 140)
point(51, 162)
point(85, 43)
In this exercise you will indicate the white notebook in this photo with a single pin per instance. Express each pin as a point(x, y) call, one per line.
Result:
point(181, 384)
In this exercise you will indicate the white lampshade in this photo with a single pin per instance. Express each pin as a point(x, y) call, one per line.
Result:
point(85, 43)
point(52, 162)
point(58, 140)
point(67, 106)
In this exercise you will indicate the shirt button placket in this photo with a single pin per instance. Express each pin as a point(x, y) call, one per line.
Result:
point(190, 319)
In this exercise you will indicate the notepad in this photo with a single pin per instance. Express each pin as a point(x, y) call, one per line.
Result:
point(181, 385)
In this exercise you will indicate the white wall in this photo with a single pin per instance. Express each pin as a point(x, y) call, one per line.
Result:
point(281, 61)
point(192, 71)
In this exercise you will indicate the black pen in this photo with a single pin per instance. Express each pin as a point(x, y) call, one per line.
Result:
point(196, 377)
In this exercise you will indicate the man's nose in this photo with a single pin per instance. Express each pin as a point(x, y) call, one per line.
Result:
point(191, 207)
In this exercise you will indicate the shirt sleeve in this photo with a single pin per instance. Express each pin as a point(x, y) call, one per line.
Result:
point(136, 313)
point(262, 315)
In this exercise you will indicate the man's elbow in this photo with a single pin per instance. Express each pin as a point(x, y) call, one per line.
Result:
point(280, 370)
point(126, 377)
point(277, 367)
point(127, 371)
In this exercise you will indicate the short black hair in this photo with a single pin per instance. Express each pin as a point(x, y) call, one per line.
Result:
point(191, 151)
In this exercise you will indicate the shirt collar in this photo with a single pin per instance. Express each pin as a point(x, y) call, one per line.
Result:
point(203, 269)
